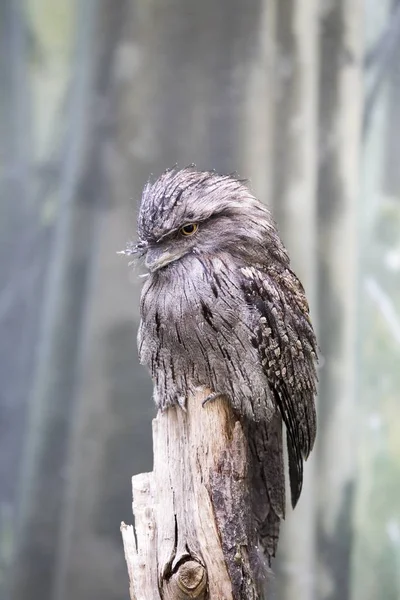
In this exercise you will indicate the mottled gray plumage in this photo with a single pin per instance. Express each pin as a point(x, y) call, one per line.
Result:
point(221, 308)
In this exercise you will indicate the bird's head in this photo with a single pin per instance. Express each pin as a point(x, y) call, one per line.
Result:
point(186, 211)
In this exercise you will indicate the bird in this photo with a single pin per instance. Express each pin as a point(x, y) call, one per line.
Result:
point(222, 308)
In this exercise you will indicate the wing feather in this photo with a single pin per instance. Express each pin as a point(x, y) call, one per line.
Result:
point(288, 351)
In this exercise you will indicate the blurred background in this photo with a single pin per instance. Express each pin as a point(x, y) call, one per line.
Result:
point(303, 98)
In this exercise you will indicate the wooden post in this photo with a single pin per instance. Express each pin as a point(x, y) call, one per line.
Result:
point(195, 536)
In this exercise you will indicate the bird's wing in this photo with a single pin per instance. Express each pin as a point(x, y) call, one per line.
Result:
point(288, 351)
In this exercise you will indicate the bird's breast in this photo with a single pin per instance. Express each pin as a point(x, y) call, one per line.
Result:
point(193, 303)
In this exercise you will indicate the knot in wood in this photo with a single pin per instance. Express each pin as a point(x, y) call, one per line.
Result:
point(191, 579)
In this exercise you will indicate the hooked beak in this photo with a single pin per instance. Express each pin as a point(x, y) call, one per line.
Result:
point(157, 258)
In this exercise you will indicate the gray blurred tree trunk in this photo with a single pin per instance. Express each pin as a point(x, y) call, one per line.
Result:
point(375, 566)
point(45, 475)
point(392, 126)
point(340, 134)
point(21, 263)
point(295, 164)
point(256, 141)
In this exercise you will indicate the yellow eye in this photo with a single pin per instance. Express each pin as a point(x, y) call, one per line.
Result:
point(189, 229)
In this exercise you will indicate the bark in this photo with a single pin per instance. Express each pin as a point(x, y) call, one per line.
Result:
point(195, 537)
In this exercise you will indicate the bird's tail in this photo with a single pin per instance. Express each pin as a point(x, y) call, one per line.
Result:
point(268, 480)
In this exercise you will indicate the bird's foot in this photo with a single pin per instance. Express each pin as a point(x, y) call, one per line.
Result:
point(211, 397)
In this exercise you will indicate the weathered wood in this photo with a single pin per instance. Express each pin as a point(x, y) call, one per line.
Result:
point(195, 535)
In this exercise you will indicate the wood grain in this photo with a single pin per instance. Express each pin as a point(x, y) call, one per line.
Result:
point(195, 535)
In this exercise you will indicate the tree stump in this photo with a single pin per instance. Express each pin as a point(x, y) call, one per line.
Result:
point(195, 534)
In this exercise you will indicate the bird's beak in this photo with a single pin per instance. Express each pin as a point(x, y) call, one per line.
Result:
point(157, 258)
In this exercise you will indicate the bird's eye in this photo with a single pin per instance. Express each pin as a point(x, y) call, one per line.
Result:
point(189, 229)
